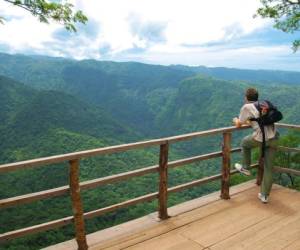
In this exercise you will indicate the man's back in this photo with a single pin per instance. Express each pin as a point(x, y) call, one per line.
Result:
point(250, 111)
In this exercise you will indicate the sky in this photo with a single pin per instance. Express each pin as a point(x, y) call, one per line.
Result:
point(190, 32)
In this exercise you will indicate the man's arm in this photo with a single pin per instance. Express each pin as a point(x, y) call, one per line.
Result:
point(237, 122)
point(242, 119)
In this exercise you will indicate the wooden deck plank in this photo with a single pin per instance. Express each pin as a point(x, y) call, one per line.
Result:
point(170, 241)
point(246, 205)
point(282, 237)
point(281, 215)
point(183, 214)
point(242, 222)
point(133, 231)
point(225, 223)
point(295, 245)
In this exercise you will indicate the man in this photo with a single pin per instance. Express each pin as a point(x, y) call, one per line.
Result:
point(254, 140)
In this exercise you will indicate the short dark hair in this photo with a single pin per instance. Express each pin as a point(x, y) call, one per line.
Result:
point(251, 94)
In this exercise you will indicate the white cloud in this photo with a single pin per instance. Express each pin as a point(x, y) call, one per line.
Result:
point(188, 22)
point(251, 57)
point(126, 30)
point(21, 31)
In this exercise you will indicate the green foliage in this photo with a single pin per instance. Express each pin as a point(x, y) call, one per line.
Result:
point(66, 106)
point(289, 159)
point(54, 11)
point(286, 14)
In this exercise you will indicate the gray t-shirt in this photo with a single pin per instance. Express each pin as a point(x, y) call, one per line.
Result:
point(249, 111)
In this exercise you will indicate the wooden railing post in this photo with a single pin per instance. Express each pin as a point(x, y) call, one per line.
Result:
point(163, 181)
point(77, 205)
point(226, 147)
point(260, 171)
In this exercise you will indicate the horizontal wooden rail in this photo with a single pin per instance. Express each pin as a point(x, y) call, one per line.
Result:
point(98, 212)
point(291, 126)
point(203, 181)
point(121, 148)
point(101, 211)
point(194, 183)
point(285, 149)
point(153, 196)
point(35, 229)
point(287, 170)
point(83, 185)
point(110, 179)
point(78, 155)
point(118, 177)
point(22, 199)
point(193, 159)
point(109, 150)
point(190, 136)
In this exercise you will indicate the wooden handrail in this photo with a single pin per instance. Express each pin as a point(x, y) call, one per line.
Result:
point(162, 168)
point(203, 180)
point(22, 199)
point(36, 228)
point(89, 215)
point(285, 149)
point(285, 125)
point(287, 171)
point(109, 150)
point(121, 148)
point(101, 211)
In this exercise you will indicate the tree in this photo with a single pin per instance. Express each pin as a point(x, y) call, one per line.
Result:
point(51, 11)
point(286, 14)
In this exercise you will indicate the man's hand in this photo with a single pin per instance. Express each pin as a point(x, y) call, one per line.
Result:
point(236, 122)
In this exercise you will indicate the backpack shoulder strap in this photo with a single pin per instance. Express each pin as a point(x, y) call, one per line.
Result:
point(257, 106)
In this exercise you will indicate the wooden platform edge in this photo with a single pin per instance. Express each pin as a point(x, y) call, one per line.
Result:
point(116, 233)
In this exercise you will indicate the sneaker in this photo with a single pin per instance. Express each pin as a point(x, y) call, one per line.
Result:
point(242, 170)
point(263, 198)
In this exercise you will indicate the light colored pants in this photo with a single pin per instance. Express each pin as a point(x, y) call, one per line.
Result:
point(247, 144)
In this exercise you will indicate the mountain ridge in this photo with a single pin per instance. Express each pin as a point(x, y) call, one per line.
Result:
point(68, 106)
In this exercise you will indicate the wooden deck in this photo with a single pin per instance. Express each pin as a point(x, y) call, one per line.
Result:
point(242, 222)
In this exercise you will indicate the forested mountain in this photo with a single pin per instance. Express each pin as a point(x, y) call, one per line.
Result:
point(254, 76)
point(125, 90)
point(203, 102)
point(26, 113)
point(136, 94)
point(37, 123)
point(53, 106)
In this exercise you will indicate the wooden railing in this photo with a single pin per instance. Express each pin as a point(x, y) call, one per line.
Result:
point(75, 186)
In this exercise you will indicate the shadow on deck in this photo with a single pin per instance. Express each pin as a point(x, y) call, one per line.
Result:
point(209, 222)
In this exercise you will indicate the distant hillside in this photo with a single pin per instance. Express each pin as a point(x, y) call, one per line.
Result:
point(37, 123)
point(43, 123)
point(151, 99)
point(251, 76)
point(125, 90)
point(27, 113)
point(52, 106)
point(206, 102)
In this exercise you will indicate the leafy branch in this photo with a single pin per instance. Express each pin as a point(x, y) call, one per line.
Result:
point(51, 11)
point(286, 14)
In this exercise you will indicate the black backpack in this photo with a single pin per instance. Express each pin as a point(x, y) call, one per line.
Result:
point(268, 115)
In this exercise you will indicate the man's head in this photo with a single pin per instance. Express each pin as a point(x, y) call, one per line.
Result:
point(251, 95)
